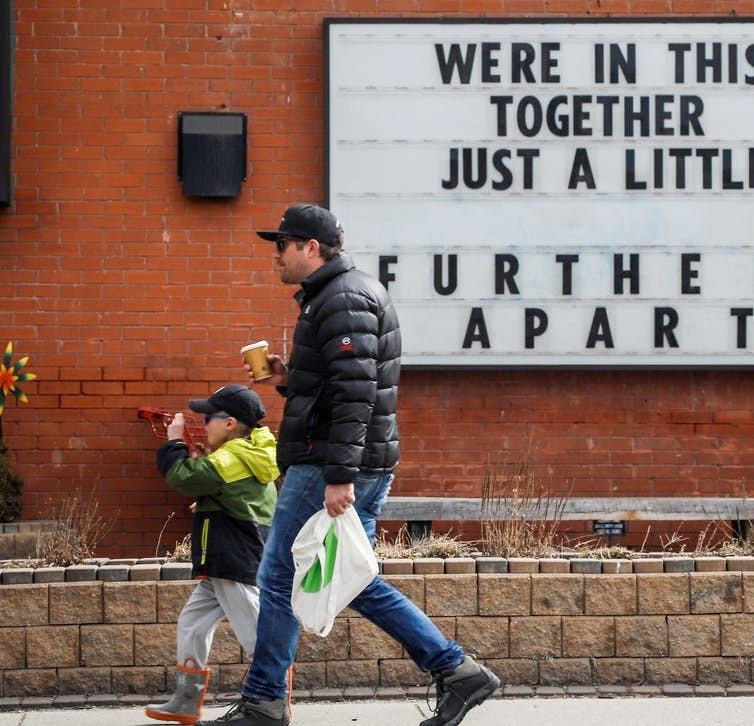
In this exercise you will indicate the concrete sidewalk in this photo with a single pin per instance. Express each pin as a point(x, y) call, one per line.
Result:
point(540, 711)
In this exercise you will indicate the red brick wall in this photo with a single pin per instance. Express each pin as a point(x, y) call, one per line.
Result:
point(124, 293)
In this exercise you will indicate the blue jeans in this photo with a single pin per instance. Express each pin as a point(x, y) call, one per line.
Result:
point(301, 496)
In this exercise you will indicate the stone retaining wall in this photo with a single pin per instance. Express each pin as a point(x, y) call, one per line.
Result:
point(545, 629)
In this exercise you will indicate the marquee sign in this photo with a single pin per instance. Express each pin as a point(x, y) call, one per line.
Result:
point(550, 193)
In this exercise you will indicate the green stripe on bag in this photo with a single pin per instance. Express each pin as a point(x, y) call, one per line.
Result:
point(313, 580)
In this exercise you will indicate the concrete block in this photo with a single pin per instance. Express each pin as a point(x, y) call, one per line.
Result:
point(23, 605)
point(18, 576)
point(309, 675)
point(139, 679)
point(171, 597)
point(709, 564)
point(75, 603)
point(368, 642)
point(412, 586)
point(557, 594)
point(333, 647)
point(397, 567)
point(144, 571)
point(107, 645)
point(130, 602)
point(81, 573)
point(617, 567)
point(176, 571)
point(691, 635)
point(429, 566)
point(12, 648)
point(55, 646)
point(349, 673)
point(522, 565)
point(450, 594)
point(589, 637)
point(535, 637)
point(648, 565)
point(737, 633)
point(84, 682)
point(491, 565)
point(113, 573)
point(617, 671)
point(722, 671)
point(460, 566)
point(514, 671)
point(30, 682)
point(663, 594)
point(49, 574)
point(401, 673)
point(554, 565)
point(641, 636)
point(562, 671)
point(581, 566)
point(743, 564)
point(504, 594)
point(483, 637)
point(610, 594)
point(678, 564)
point(717, 592)
point(154, 644)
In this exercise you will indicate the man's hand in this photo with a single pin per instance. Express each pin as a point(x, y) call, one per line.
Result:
point(175, 428)
point(338, 498)
point(279, 375)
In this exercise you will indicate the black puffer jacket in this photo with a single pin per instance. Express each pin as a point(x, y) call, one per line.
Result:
point(342, 376)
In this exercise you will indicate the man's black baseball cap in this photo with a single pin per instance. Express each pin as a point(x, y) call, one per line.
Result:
point(307, 221)
point(236, 400)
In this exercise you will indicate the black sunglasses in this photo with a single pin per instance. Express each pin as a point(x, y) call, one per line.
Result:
point(282, 242)
point(209, 416)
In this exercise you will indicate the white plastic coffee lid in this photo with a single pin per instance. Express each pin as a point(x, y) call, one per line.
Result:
point(251, 346)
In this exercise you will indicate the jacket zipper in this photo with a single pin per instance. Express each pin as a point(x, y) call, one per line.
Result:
point(205, 540)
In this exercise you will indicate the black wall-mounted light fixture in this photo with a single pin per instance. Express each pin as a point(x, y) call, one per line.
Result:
point(211, 153)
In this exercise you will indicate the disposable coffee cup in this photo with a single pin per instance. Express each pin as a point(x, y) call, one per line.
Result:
point(255, 354)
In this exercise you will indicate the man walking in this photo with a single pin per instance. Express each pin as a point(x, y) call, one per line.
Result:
point(338, 445)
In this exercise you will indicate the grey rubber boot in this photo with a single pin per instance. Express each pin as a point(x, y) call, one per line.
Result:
point(186, 704)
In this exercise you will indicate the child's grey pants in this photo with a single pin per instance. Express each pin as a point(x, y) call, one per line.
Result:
point(212, 600)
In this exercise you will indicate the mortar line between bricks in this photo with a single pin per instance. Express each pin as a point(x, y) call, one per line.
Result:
point(688, 600)
point(720, 641)
point(531, 596)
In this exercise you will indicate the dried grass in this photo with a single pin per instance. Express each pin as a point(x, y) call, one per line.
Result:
point(182, 551)
point(531, 527)
point(76, 530)
point(434, 545)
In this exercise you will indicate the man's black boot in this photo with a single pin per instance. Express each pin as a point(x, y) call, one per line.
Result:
point(254, 713)
point(459, 689)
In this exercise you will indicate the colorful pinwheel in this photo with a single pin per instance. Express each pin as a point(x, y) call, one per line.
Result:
point(10, 374)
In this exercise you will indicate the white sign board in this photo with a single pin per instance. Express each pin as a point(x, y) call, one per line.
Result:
point(550, 193)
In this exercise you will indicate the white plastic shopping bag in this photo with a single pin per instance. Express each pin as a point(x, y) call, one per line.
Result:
point(334, 563)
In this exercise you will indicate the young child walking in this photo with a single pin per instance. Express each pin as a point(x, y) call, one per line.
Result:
point(235, 498)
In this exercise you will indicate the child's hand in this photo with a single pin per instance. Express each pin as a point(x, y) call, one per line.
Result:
point(176, 426)
point(192, 507)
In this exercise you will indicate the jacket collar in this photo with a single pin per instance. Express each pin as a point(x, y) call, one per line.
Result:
point(322, 275)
